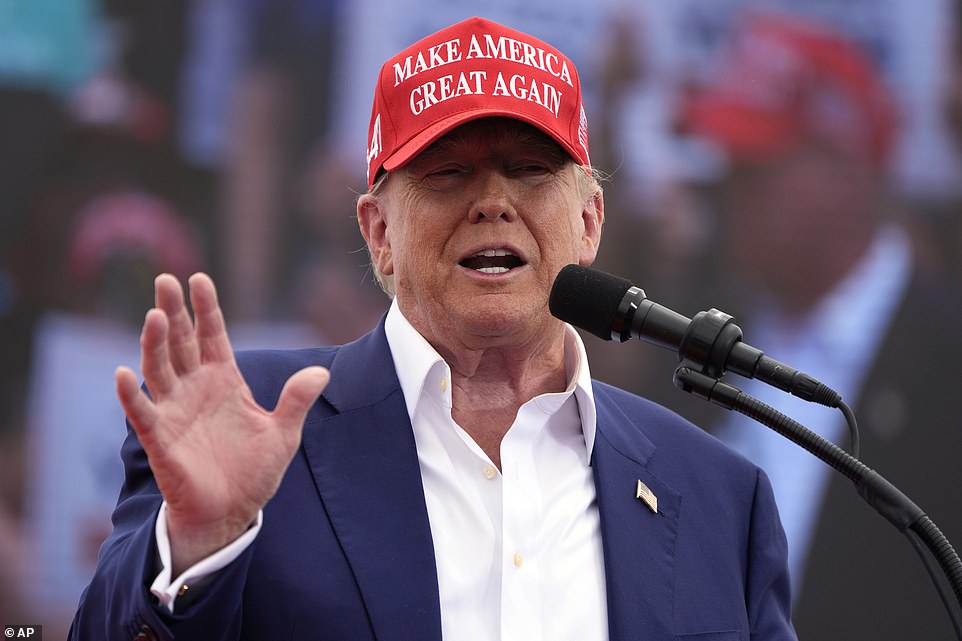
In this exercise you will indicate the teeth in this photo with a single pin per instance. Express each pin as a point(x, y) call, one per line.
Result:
point(494, 252)
point(493, 270)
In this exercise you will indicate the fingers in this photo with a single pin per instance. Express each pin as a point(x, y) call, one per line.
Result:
point(209, 320)
point(181, 342)
point(155, 362)
point(299, 394)
point(138, 408)
point(171, 344)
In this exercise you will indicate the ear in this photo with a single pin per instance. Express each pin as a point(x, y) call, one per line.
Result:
point(593, 218)
point(373, 224)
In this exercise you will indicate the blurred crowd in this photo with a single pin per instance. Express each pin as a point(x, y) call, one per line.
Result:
point(793, 163)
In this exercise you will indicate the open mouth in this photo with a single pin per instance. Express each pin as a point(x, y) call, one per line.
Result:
point(492, 261)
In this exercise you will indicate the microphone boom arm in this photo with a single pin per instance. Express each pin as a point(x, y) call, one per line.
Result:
point(878, 492)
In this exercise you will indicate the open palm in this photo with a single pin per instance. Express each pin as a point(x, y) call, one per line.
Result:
point(217, 456)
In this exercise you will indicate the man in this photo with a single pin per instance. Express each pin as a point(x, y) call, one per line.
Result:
point(807, 221)
point(461, 476)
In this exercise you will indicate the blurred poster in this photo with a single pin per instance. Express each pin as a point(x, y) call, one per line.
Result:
point(74, 472)
point(76, 430)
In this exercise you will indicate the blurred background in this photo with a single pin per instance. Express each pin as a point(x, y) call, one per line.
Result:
point(795, 163)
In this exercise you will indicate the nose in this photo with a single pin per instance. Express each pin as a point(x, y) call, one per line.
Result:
point(493, 198)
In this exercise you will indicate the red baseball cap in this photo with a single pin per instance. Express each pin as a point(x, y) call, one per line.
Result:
point(473, 69)
point(115, 223)
point(787, 80)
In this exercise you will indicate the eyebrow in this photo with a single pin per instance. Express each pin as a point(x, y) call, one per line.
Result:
point(525, 135)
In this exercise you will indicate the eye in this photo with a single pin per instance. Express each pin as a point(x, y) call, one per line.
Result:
point(531, 168)
point(443, 176)
point(443, 172)
point(448, 170)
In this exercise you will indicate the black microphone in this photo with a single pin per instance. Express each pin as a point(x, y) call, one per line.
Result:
point(611, 307)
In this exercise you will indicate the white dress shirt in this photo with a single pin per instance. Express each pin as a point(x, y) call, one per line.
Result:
point(519, 553)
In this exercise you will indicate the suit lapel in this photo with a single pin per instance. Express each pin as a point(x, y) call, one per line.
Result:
point(364, 463)
point(639, 545)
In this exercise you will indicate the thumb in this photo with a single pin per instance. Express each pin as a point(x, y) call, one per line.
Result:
point(299, 394)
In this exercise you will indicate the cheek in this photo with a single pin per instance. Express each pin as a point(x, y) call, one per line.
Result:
point(563, 241)
point(418, 249)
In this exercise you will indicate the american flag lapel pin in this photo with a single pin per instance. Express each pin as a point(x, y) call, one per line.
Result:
point(646, 496)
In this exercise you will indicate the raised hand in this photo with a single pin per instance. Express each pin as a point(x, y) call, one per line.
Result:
point(217, 456)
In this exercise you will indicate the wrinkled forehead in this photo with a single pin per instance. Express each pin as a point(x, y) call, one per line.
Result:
point(497, 134)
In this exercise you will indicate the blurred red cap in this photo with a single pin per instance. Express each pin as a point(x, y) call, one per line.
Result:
point(786, 81)
point(123, 221)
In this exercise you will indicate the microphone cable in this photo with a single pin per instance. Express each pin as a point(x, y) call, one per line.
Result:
point(885, 498)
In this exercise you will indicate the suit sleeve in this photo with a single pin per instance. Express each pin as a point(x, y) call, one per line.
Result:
point(117, 604)
point(768, 592)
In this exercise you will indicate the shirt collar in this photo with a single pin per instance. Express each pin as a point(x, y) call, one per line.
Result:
point(863, 303)
point(415, 360)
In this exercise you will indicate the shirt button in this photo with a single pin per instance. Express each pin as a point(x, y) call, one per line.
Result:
point(518, 559)
point(443, 384)
point(490, 472)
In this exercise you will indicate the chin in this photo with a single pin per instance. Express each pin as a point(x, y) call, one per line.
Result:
point(502, 316)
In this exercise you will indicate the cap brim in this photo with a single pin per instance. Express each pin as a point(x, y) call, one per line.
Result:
point(423, 139)
point(744, 132)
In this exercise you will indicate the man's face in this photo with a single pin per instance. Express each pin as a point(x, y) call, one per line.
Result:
point(797, 220)
point(476, 227)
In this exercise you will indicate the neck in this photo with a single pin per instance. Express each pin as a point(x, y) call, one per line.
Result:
point(489, 385)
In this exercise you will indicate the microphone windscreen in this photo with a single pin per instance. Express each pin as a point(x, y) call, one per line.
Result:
point(587, 298)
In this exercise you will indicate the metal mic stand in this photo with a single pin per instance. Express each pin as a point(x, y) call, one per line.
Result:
point(887, 499)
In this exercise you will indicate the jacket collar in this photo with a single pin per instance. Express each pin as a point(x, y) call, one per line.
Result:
point(639, 543)
point(364, 462)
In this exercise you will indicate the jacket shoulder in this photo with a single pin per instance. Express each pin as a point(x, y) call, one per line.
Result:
point(266, 370)
point(678, 442)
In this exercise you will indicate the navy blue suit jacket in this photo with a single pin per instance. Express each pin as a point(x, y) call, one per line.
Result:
point(345, 551)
